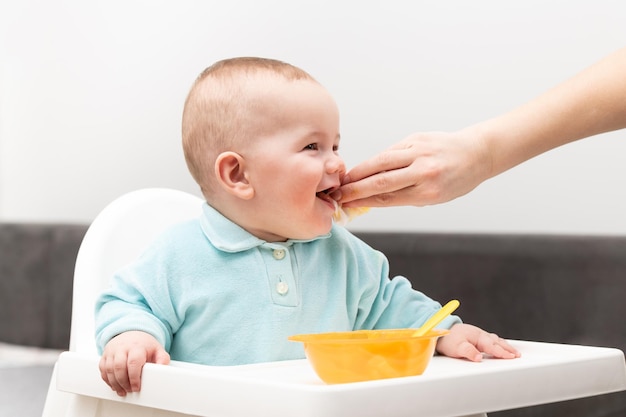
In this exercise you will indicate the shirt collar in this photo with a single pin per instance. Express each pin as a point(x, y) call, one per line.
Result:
point(228, 236)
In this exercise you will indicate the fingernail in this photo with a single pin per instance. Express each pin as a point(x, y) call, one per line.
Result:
point(336, 195)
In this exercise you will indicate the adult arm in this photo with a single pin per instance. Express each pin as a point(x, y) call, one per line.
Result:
point(435, 167)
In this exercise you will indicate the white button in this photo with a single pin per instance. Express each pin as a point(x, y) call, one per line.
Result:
point(279, 254)
point(282, 288)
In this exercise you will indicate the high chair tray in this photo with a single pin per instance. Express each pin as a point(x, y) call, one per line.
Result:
point(545, 373)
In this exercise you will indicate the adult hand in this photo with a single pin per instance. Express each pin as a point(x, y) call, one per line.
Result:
point(423, 169)
point(432, 168)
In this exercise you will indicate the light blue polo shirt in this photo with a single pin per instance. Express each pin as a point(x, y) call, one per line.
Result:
point(212, 293)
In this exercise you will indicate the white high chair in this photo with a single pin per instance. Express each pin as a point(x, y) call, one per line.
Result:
point(449, 387)
point(115, 238)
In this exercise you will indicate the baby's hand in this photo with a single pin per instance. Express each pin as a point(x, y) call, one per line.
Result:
point(470, 342)
point(124, 357)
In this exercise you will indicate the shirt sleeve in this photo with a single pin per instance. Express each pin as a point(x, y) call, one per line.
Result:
point(392, 303)
point(138, 299)
point(397, 305)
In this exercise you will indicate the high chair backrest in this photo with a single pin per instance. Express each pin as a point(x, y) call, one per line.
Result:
point(117, 236)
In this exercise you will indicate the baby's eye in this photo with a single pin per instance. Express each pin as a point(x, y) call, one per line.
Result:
point(311, 147)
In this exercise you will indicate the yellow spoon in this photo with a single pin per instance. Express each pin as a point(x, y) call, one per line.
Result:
point(444, 312)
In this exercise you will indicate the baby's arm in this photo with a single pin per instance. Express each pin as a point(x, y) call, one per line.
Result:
point(470, 342)
point(124, 357)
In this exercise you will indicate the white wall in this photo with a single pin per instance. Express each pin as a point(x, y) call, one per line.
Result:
point(91, 95)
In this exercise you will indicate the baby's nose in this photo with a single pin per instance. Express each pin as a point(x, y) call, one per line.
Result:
point(335, 164)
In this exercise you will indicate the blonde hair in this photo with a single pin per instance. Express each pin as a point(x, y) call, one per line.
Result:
point(216, 111)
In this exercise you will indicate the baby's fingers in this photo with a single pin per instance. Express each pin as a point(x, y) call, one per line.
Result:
point(104, 371)
point(497, 347)
point(113, 375)
point(134, 365)
point(468, 351)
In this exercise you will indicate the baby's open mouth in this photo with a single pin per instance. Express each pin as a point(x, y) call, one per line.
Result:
point(341, 216)
point(325, 195)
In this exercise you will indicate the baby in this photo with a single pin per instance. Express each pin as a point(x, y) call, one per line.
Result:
point(264, 260)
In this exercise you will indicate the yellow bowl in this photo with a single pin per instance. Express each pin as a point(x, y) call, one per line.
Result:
point(364, 355)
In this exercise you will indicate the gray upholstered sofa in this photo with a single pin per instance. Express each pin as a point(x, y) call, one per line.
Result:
point(567, 289)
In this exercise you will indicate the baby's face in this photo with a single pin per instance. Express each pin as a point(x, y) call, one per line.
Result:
point(293, 163)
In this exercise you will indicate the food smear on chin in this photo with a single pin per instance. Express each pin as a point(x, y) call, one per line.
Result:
point(343, 215)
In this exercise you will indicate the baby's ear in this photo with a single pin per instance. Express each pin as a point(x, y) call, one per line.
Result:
point(230, 172)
